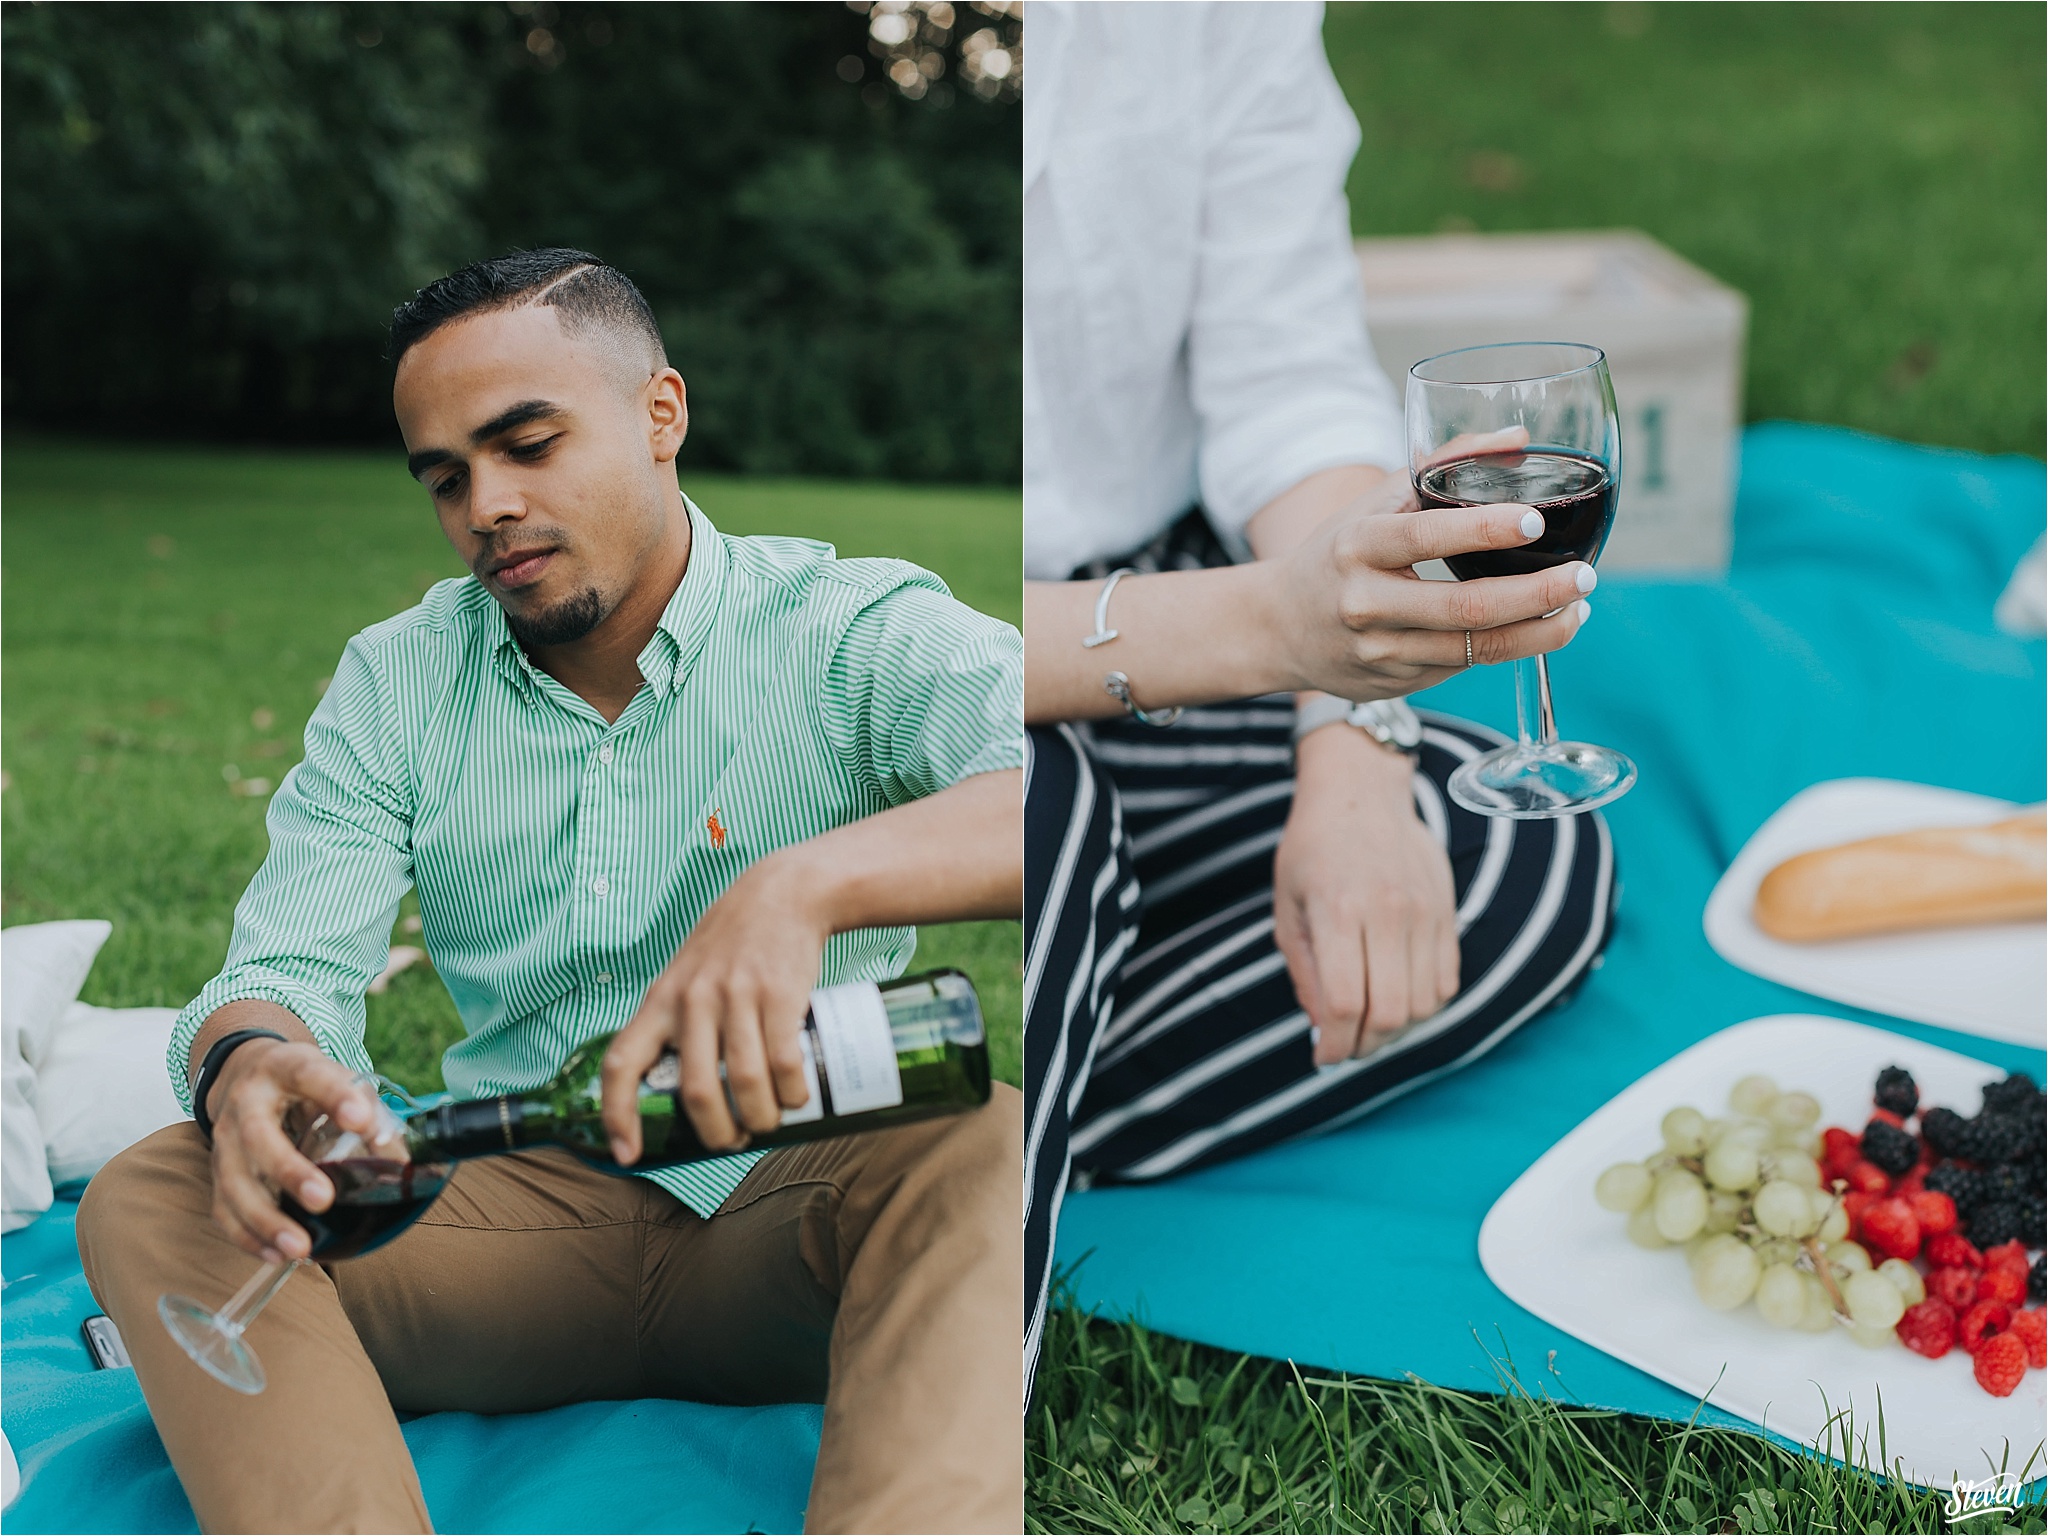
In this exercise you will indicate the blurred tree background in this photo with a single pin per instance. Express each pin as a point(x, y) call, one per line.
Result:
point(211, 210)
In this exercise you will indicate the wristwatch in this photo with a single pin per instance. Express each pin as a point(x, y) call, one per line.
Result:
point(1390, 722)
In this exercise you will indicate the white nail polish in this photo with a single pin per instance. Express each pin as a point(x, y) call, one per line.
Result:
point(1586, 579)
point(1585, 610)
point(1315, 1036)
point(1532, 523)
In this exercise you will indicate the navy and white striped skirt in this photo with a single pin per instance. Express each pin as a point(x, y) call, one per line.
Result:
point(1161, 1030)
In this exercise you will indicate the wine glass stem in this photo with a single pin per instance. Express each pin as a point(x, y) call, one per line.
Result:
point(240, 1309)
point(1535, 721)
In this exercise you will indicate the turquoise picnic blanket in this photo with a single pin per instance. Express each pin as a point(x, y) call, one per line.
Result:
point(1853, 636)
point(91, 1460)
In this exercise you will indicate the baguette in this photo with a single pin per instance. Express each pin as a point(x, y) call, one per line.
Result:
point(1939, 877)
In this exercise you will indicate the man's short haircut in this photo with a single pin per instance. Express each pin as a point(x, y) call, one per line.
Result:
point(588, 294)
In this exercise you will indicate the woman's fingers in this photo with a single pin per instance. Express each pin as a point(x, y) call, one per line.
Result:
point(1397, 540)
point(1338, 958)
point(1486, 603)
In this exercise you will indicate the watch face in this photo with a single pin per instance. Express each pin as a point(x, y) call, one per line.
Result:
point(1387, 723)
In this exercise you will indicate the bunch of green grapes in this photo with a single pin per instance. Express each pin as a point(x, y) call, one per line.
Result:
point(1742, 1195)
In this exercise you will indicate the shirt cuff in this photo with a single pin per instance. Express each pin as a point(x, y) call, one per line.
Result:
point(1321, 437)
point(317, 1013)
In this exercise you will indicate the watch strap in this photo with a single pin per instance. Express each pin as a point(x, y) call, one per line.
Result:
point(1390, 722)
point(210, 1069)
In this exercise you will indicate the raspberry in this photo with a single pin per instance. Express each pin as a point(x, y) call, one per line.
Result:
point(1992, 1224)
point(1865, 1175)
point(2002, 1286)
point(2001, 1365)
point(2031, 1329)
point(1934, 1210)
point(1840, 1150)
point(1929, 1329)
point(1896, 1091)
point(1888, 1117)
point(1913, 1182)
point(2007, 1256)
point(1890, 1148)
point(1890, 1227)
point(1955, 1285)
point(1954, 1248)
point(1858, 1203)
point(1980, 1322)
point(2037, 1283)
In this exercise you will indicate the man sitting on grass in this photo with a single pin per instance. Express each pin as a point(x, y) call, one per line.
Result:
point(638, 771)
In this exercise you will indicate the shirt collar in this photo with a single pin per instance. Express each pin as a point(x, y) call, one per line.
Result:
point(671, 652)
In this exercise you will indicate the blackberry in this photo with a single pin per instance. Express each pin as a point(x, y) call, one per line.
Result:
point(1890, 1148)
point(2018, 1094)
point(1963, 1185)
point(2037, 1284)
point(2005, 1184)
point(1992, 1223)
point(2034, 1222)
point(1897, 1092)
point(1991, 1138)
point(1942, 1126)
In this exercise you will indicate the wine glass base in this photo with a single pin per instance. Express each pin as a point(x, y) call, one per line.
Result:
point(222, 1355)
point(1530, 783)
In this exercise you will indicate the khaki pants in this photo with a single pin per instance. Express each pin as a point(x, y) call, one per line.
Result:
point(879, 1274)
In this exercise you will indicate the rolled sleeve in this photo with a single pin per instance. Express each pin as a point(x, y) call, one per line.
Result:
point(928, 692)
point(1281, 371)
point(313, 929)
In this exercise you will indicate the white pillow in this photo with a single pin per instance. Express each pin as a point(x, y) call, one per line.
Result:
point(42, 966)
point(2023, 607)
point(103, 1086)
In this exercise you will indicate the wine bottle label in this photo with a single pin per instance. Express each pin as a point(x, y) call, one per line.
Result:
point(858, 1046)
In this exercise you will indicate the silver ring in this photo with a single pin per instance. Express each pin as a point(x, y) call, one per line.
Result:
point(1468, 647)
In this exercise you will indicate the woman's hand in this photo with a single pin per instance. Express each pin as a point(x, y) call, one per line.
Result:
point(1361, 624)
point(1364, 908)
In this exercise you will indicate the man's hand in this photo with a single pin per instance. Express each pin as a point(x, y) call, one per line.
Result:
point(252, 1155)
point(736, 992)
point(1364, 907)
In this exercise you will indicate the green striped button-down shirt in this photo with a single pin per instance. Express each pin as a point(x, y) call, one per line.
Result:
point(561, 861)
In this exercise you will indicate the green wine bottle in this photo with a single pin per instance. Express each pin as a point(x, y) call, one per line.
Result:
point(875, 1055)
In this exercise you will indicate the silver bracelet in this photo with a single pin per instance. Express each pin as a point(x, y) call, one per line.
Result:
point(1118, 684)
point(1119, 687)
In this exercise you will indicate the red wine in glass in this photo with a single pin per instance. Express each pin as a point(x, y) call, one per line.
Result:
point(374, 1200)
point(1574, 491)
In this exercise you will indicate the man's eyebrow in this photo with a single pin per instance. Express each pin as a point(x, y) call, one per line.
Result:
point(505, 421)
point(518, 416)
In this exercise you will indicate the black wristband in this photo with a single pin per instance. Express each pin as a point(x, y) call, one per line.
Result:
point(210, 1069)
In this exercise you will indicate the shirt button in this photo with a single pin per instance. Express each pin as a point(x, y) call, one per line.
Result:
point(604, 753)
point(600, 886)
point(604, 978)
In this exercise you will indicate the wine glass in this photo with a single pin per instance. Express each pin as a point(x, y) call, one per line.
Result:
point(1534, 423)
point(380, 1189)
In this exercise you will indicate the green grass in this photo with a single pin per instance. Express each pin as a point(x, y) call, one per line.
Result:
point(173, 615)
point(1138, 1432)
point(1872, 176)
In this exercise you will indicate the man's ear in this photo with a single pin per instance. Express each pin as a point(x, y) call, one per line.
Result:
point(668, 414)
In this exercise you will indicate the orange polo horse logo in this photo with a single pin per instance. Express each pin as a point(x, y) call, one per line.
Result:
point(716, 828)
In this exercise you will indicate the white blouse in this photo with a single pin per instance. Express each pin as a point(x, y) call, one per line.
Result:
point(1194, 328)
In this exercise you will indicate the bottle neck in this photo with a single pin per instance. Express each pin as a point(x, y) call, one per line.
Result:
point(475, 1128)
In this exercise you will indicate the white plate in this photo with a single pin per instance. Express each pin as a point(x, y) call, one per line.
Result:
point(1991, 980)
point(1558, 1254)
